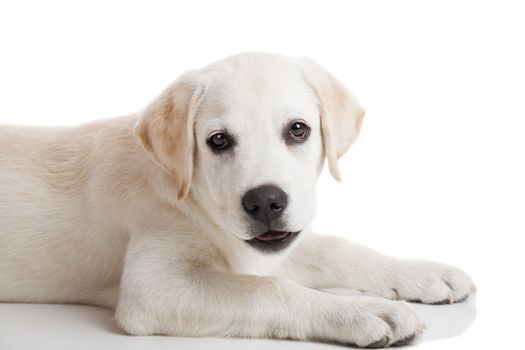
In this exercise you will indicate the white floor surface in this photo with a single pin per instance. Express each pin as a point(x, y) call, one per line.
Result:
point(57, 327)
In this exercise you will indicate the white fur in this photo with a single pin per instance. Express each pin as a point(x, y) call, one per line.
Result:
point(92, 215)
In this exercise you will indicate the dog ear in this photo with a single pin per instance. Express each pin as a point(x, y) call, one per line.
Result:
point(165, 130)
point(340, 112)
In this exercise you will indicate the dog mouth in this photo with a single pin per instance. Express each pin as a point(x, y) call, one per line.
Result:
point(269, 236)
point(273, 241)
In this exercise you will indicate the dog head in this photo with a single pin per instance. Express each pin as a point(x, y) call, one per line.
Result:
point(247, 136)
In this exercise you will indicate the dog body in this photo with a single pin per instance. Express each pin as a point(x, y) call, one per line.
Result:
point(192, 217)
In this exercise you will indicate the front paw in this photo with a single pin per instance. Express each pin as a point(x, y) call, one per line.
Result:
point(429, 282)
point(370, 322)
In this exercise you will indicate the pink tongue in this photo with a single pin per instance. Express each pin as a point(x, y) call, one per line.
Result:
point(272, 235)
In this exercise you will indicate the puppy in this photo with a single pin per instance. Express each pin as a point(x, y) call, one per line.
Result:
point(192, 217)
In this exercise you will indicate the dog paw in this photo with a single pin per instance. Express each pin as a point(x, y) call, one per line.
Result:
point(429, 283)
point(370, 322)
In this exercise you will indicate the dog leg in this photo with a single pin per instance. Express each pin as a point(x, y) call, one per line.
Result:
point(332, 262)
point(164, 293)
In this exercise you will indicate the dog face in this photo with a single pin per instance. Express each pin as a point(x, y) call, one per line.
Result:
point(247, 136)
point(259, 150)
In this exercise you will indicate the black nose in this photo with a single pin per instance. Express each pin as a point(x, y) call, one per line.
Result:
point(265, 203)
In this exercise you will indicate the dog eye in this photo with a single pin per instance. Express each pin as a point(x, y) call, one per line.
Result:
point(299, 131)
point(219, 141)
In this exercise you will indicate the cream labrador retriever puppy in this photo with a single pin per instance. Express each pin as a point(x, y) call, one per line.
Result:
point(192, 217)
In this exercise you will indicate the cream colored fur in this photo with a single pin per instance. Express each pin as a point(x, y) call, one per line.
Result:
point(136, 213)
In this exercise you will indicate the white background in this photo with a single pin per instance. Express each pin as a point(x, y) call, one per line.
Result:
point(438, 170)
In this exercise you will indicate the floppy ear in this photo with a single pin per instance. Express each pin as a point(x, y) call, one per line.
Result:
point(340, 112)
point(165, 129)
